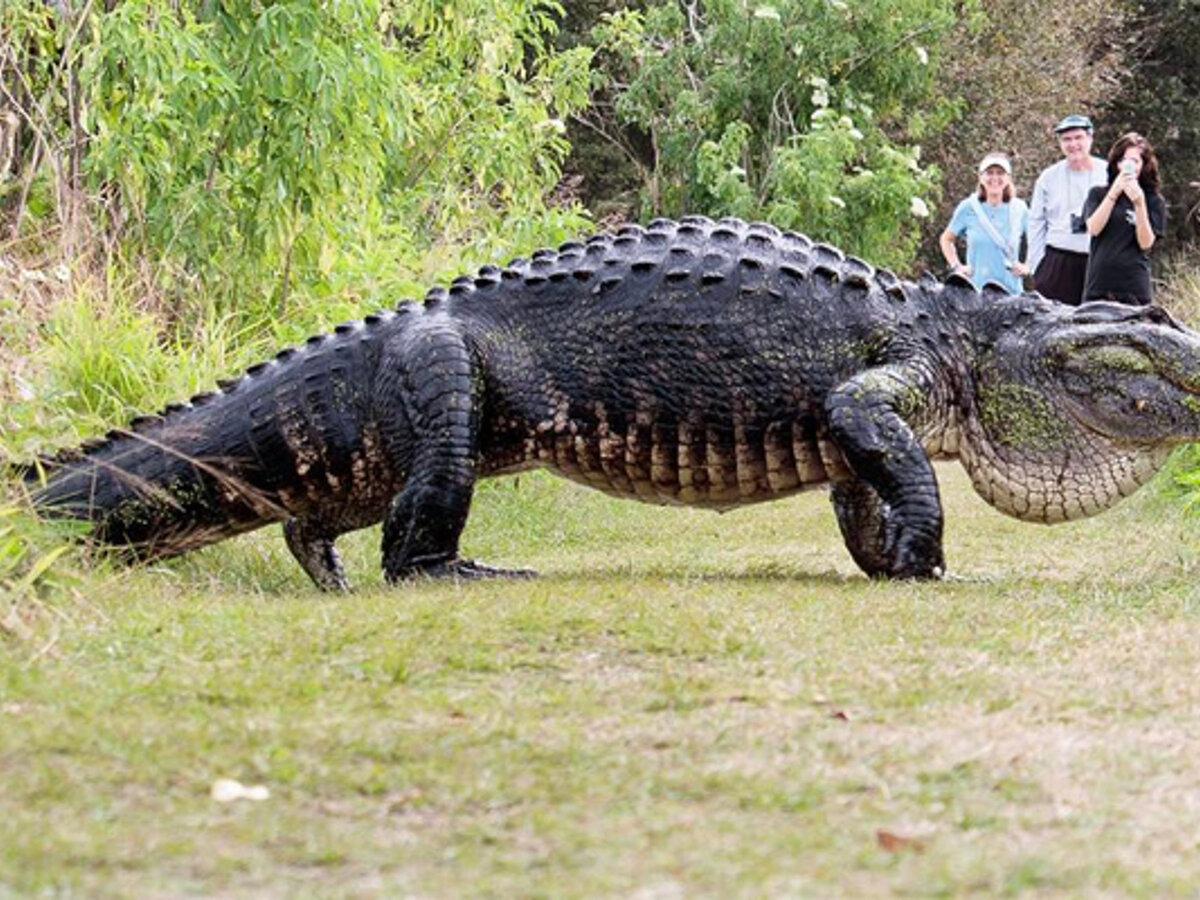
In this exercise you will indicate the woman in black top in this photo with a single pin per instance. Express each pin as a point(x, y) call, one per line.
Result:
point(1124, 219)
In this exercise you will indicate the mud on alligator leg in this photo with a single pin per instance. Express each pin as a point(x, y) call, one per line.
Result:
point(422, 529)
point(890, 514)
point(312, 545)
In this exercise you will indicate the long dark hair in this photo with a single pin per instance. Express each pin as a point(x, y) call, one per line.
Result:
point(1148, 179)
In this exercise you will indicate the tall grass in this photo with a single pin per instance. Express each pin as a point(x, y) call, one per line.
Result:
point(32, 565)
point(1180, 289)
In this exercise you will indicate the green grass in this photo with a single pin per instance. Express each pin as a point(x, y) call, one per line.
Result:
point(684, 705)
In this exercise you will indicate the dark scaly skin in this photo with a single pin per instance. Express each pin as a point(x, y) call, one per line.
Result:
point(698, 363)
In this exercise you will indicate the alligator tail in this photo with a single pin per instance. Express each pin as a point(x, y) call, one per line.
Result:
point(263, 447)
point(148, 490)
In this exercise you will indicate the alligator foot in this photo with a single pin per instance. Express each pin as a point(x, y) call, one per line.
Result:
point(869, 527)
point(464, 569)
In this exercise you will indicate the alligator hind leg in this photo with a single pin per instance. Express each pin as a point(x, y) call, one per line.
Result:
point(313, 547)
point(422, 529)
point(436, 388)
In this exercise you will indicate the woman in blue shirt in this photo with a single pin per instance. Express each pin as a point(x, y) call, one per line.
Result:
point(993, 221)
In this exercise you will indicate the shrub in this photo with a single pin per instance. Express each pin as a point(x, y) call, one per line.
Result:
point(805, 113)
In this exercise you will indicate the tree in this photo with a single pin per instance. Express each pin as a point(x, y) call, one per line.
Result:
point(246, 142)
point(1161, 99)
point(805, 112)
point(1018, 67)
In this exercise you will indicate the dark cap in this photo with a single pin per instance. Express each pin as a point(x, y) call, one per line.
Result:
point(1072, 122)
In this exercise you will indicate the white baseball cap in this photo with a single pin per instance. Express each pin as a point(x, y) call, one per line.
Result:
point(995, 159)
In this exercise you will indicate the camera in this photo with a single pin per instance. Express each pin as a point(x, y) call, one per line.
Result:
point(1128, 166)
point(1078, 224)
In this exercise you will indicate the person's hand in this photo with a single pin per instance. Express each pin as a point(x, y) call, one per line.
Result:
point(1133, 190)
point(1019, 269)
point(963, 270)
point(1126, 183)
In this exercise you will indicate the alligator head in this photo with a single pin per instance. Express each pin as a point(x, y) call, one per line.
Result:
point(1074, 408)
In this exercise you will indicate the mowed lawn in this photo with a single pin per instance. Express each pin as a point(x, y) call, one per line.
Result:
point(683, 705)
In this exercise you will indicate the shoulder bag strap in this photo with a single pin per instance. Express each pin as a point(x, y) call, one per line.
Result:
point(988, 227)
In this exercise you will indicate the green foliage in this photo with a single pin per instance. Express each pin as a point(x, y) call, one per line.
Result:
point(109, 360)
point(105, 360)
point(30, 563)
point(267, 138)
point(253, 150)
point(1182, 297)
point(256, 171)
point(31, 50)
point(803, 112)
point(1161, 99)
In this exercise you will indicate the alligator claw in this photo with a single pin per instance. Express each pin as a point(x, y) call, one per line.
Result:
point(466, 570)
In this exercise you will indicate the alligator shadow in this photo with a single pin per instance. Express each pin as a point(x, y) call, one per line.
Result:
point(771, 573)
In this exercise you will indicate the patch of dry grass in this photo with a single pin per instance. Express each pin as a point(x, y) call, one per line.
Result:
point(1180, 289)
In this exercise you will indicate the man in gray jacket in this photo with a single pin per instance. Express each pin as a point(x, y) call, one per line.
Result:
point(1058, 240)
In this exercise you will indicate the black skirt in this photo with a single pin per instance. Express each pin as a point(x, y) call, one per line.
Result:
point(1060, 275)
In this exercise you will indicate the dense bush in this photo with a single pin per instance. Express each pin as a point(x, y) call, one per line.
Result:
point(252, 148)
point(804, 112)
point(177, 175)
point(189, 183)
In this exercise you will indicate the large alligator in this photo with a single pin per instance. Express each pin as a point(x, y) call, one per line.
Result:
point(702, 363)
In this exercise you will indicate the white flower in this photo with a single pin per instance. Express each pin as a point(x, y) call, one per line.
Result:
point(922, 54)
point(767, 12)
point(918, 208)
point(837, 201)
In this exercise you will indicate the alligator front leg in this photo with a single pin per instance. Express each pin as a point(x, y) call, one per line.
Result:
point(891, 516)
point(436, 387)
point(862, 517)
